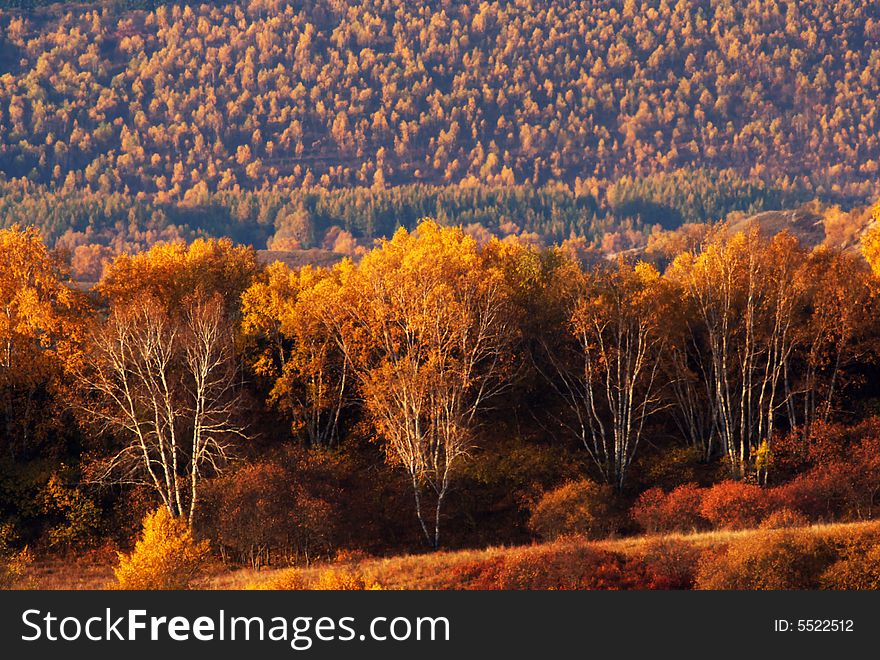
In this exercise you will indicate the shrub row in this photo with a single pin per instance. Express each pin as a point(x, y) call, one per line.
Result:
point(821, 495)
point(768, 559)
point(555, 568)
point(837, 488)
point(168, 557)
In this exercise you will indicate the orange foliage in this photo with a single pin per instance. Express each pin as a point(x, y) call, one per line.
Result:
point(177, 272)
point(383, 91)
point(784, 518)
point(565, 569)
point(735, 505)
point(343, 579)
point(678, 510)
point(771, 560)
point(673, 564)
point(858, 567)
point(578, 507)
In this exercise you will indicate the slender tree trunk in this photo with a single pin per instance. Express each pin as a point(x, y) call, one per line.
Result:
point(415, 485)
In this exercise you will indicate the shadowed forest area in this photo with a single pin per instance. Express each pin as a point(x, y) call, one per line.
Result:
point(436, 392)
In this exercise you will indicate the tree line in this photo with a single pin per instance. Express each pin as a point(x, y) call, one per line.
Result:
point(194, 378)
point(94, 226)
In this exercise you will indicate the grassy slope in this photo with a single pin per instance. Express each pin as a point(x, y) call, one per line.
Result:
point(424, 571)
point(434, 571)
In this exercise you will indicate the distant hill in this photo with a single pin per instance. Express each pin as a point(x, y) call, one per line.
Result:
point(814, 224)
point(300, 258)
point(183, 100)
point(804, 223)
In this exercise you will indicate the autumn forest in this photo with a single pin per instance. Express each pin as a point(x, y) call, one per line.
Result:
point(374, 295)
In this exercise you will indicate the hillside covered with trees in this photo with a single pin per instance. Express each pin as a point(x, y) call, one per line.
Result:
point(184, 100)
point(559, 118)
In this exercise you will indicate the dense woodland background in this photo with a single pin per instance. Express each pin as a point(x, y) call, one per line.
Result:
point(185, 100)
point(122, 127)
point(326, 278)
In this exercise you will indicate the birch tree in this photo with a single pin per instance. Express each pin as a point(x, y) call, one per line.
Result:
point(747, 299)
point(607, 375)
point(160, 374)
point(425, 323)
point(165, 387)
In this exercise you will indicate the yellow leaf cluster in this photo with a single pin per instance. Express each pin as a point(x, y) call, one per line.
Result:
point(166, 556)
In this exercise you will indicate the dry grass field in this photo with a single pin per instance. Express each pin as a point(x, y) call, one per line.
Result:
point(440, 570)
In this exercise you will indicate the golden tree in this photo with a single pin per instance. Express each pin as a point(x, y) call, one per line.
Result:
point(285, 314)
point(165, 556)
point(160, 373)
point(745, 295)
point(841, 300)
point(39, 330)
point(176, 272)
point(425, 322)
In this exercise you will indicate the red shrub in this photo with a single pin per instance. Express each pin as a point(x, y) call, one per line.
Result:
point(678, 510)
point(824, 444)
point(800, 450)
point(648, 510)
point(671, 564)
point(824, 493)
point(261, 512)
point(735, 505)
point(682, 508)
point(552, 569)
point(810, 494)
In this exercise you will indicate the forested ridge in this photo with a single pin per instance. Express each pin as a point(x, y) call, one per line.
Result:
point(179, 102)
point(94, 225)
